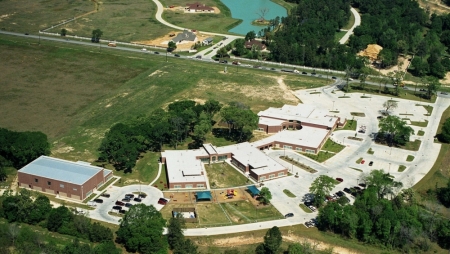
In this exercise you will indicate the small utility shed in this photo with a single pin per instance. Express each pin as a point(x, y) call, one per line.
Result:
point(203, 196)
point(253, 190)
point(76, 180)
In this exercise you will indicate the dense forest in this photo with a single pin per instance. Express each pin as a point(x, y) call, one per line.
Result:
point(123, 143)
point(395, 223)
point(307, 35)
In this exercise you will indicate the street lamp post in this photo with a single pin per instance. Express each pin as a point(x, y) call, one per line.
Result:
point(333, 106)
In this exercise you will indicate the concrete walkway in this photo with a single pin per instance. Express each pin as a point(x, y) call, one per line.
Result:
point(346, 36)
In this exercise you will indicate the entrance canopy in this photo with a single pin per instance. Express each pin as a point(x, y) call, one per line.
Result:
point(203, 195)
point(253, 190)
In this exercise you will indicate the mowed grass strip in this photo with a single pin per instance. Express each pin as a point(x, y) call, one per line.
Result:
point(222, 175)
point(332, 146)
point(289, 193)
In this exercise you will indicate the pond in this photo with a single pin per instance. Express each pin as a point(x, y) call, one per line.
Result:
point(249, 10)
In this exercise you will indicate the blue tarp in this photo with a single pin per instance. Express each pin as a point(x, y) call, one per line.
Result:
point(204, 195)
point(253, 190)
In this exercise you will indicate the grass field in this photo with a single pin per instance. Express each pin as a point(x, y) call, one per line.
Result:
point(245, 212)
point(210, 22)
point(305, 82)
point(90, 90)
point(222, 175)
point(339, 35)
point(122, 21)
point(11, 174)
point(332, 146)
point(350, 125)
point(320, 157)
point(403, 94)
point(289, 193)
point(32, 16)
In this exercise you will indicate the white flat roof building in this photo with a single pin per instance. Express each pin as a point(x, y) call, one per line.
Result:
point(184, 167)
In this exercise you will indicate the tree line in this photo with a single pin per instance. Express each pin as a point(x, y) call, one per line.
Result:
point(23, 208)
point(184, 119)
point(395, 223)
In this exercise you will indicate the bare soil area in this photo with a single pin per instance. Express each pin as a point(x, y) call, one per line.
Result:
point(400, 67)
point(434, 6)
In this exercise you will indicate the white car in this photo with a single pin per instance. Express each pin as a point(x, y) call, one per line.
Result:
point(144, 49)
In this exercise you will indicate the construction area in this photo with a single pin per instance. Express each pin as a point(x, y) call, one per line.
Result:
point(164, 41)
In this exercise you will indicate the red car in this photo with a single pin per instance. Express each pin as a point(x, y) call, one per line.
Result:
point(339, 179)
point(362, 162)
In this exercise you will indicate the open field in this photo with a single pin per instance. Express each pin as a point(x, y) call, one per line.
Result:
point(32, 16)
point(210, 22)
point(90, 90)
point(222, 175)
point(121, 21)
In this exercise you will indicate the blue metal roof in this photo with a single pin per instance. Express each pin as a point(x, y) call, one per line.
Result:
point(61, 170)
point(253, 190)
point(202, 195)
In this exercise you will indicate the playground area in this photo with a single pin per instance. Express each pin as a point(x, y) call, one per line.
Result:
point(217, 195)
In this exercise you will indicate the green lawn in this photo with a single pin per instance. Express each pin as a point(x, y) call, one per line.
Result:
point(320, 157)
point(360, 114)
point(427, 107)
point(211, 215)
point(359, 160)
point(412, 146)
point(144, 172)
point(403, 94)
point(350, 125)
point(370, 151)
point(245, 212)
point(289, 193)
point(420, 124)
point(210, 22)
point(332, 146)
point(420, 133)
point(401, 168)
point(128, 21)
point(222, 175)
point(298, 164)
point(350, 23)
point(410, 158)
point(297, 82)
point(305, 209)
point(11, 175)
point(339, 35)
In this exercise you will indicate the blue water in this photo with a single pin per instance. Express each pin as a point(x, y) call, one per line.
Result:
point(247, 10)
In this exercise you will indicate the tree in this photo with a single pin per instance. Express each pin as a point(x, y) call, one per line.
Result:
point(240, 119)
point(222, 52)
point(250, 36)
point(395, 130)
point(211, 107)
point(389, 104)
point(321, 187)
point(187, 247)
point(99, 233)
point(433, 85)
point(265, 195)
point(141, 230)
point(444, 136)
point(262, 12)
point(443, 195)
point(175, 236)
point(381, 182)
point(301, 248)
point(239, 47)
point(171, 45)
point(272, 240)
point(106, 247)
point(363, 76)
point(58, 217)
point(96, 34)
point(40, 211)
point(63, 32)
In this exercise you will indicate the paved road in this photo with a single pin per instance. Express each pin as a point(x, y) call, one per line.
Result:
point(344, 38)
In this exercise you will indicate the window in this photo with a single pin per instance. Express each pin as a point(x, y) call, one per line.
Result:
point(310, 151)
point(298, 149)
point(177, 186)
point(188, 186)
point(75, 189)
point(287, 147)
point(299, 122)
point(88, 194)
point(262, 178)
point(36, 180)
point(61, 185)
point(271, 176)
point(261, 129)
point(222, 157)
point(200, 186)
point(291, 121)
point(281, 174)
point(205, 160)
point(49, 183)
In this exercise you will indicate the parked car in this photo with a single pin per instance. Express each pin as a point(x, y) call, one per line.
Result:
point(339, 179)
point(199, 57)
point(363, 161)
point(357, 188)
point(129, 196)
point(144, 49)
point(236, 63)
point(156, 53)
point(126, 199)
point(313, 73)
point(380, 117)
point(128, 205)
point(340, 194)
point(162, 201)
point(362, 185)
point(26, 33)
point(288, 215)
point(106, 195)
point(122, 211)
point(117, 207)
point(223, 61)
point(142, 195)
point(273, 69)
point(422, 90)
point(347, 190)
point(137, 200)
point(98, 200)
point(304, 72)
point(371, 163)
point(120, 203)
point(333, 77)
point(444, 93)
point(308, 203)
point(176, 55)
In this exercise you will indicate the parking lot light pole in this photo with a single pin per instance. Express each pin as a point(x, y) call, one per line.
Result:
point(333, 106)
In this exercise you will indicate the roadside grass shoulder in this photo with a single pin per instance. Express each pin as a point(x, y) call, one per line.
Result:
point(305, 209)
point(289, 193)
point(403, 94)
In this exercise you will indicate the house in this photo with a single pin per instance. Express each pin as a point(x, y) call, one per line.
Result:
point(207, 41)
point(255, 44)
point(198, 7)
point(186, 35)
point(75, 180)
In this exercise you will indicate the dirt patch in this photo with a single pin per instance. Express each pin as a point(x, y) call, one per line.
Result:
point(287, 94)
point(446, 80)
point(157, 72)
point(241, 240)
point(404, 64)
point(164, 40)
point(434, 6)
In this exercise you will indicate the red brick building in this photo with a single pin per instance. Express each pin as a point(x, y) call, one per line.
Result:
point(75, 180)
